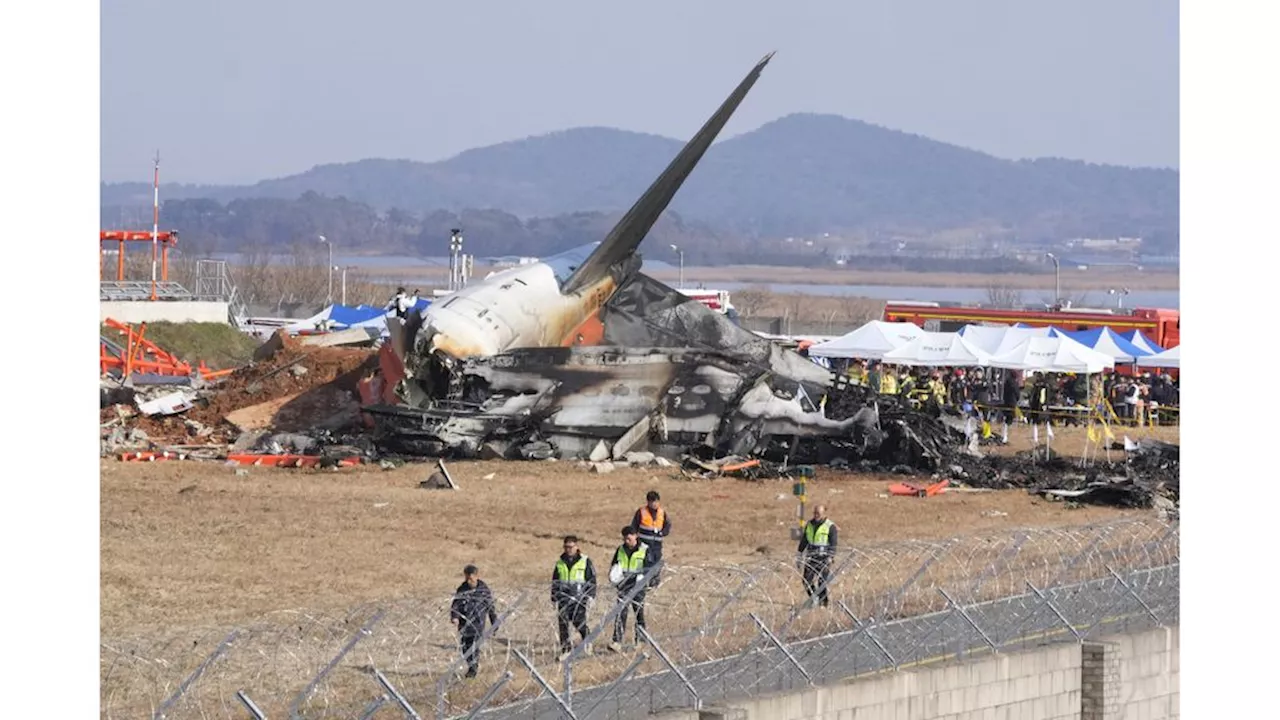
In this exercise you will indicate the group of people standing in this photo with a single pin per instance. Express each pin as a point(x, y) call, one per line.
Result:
point(634, 569)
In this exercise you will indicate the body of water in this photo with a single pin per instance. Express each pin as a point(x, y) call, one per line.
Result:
point(1096, 298)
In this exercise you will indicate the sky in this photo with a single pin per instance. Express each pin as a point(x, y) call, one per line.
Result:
point(237, 91)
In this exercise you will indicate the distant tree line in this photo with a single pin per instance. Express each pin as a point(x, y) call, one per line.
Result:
point(273, 224)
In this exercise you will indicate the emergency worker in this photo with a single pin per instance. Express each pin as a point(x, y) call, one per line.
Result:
point(573, 590)
point(653, 525)
point(888, 383)
point(817, 548)
point(632, 561)
point(472, 605)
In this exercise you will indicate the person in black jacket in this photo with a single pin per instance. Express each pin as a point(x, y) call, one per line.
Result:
point(573, 589)
point(472, 603)
point(634, 561)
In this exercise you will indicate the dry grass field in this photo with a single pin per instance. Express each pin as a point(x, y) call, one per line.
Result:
point(186, 543)
point(299, 558)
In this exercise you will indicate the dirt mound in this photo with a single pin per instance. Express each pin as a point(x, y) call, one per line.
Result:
point(296, 388)
point(293, 371)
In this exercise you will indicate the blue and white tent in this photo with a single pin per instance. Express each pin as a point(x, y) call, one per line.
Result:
point(1138, 339)
point(1106, 341)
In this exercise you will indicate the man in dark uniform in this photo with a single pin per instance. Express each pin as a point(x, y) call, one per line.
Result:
point(633, 561)
point(817, 548)
point(472, 603)
point(653, 525)
point(573, 589)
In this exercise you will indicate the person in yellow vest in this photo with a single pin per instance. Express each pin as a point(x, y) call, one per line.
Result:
point(631, 564)
point(654, 525)
point(888, 383)
point(573, 589)
point(906, 384)
point(817, 548)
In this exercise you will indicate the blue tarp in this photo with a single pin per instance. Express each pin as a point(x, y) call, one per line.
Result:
point(347, 315)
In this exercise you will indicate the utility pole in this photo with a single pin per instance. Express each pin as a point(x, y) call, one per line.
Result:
point(155, 225)
point(455, 259)
point(1057, 278)
point(325, 240)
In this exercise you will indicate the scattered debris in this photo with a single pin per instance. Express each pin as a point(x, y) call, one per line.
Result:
point(293, 461)
point(994, 513)
point(436, 481)
point(639, 458)
point(599, 453)
point(169, 404)
point(909, 489)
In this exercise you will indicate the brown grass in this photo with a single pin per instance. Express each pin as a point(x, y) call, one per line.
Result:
point(300, 558)
point(231, 547)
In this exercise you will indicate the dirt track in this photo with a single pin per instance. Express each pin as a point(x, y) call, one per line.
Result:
point(187, 543)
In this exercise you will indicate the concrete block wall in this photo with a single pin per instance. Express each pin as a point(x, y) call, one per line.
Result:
point(136, 311)
point(1146, 668)
point(1124, 677)
point(1043, 684)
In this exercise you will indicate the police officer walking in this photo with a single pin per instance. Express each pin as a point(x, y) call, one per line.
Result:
point(654, 525)
point(817, 548)
point(472, 602)
point(573, 589)
point(631, 563)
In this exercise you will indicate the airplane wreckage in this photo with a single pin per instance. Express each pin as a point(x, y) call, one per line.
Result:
point(549, 359)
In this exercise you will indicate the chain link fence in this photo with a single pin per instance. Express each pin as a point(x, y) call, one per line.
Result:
point(715, 632)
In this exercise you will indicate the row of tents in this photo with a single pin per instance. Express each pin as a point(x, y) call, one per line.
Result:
point(1018, 347)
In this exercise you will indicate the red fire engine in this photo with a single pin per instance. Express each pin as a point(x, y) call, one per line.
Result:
point(1161, 326)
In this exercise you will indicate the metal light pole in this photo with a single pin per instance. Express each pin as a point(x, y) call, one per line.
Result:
point(344, 285)
point(325, 240)
point(681, 252)
point(1057, 278)
point(1119, 296)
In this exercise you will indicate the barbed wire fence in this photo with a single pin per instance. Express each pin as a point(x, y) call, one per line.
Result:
point(715, 633)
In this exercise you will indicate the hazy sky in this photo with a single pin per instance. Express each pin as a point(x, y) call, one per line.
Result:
point(242, 90)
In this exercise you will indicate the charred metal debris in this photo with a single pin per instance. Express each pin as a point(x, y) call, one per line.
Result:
point(686, 384)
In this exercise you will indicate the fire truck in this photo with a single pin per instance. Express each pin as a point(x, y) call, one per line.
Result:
point(1159, 325)
point(717, 300)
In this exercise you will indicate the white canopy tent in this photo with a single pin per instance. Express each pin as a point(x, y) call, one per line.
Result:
point(1052, 354)
point(1137, 338)
point(1170, 358)
point(938, 349)
point(999, 339)
point(871, 341)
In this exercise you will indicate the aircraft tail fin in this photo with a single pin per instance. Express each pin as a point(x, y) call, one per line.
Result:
point(625, 237)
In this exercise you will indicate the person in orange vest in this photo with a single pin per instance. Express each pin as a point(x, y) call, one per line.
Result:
point(654, 525)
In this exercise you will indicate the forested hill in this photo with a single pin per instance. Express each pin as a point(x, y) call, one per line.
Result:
point(802, 174)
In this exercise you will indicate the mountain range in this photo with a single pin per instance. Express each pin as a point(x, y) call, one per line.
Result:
point(801, 174)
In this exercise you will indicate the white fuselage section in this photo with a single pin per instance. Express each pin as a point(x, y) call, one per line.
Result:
point(519, 307)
